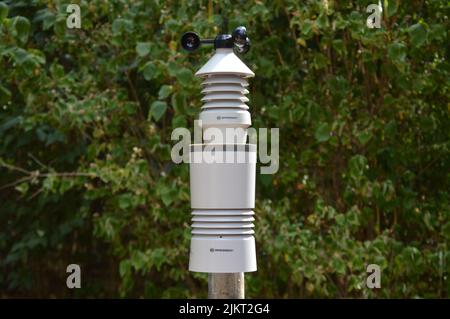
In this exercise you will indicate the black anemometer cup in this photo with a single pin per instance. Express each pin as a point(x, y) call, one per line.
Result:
point(190, 41)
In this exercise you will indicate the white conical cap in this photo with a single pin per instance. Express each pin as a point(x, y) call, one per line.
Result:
point(224, 61)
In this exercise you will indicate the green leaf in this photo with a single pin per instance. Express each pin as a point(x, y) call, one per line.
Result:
point(59, 26)
point(120, 26)
point(306, 28)
point(56, 70)
point(438, 32)
point(164, 91)
point(149, 70)
point(167, 199)
point(157, 109)
point(124, 268)
point(184, 76)
point(143, 48)
point(173, 68)
point(364, 136)
point(417, 34)
point(3, 11)
point(337, 264)
point(49, 183)
point(139, 260)
point(127, 201)
point(5, 94)
point(159, 257)
point(390, 129)
point(22, 188)
point(397, 51)
point(357, 165)
point(339, 46)
point(178, 102)
point(322, 21)
point(22, 28)
point(322, 133)
point(10, 123)
point(392, 7)
point(179, 121)
point(166, 194)
point(47, 17)
point(340, 219)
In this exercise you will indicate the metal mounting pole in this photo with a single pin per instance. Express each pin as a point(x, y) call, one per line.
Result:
point(226, 286)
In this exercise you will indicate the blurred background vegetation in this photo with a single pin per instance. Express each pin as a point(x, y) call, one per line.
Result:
point(85, 169)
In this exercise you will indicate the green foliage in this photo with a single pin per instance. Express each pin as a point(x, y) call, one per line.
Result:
point(85, 123)
point(158, 109)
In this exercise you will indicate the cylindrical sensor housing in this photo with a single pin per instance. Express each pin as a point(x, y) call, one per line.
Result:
point(222, 171)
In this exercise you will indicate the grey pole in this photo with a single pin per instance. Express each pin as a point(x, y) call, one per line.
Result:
point(226, 286)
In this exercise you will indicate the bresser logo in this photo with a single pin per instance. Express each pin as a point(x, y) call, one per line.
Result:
point(220, 250)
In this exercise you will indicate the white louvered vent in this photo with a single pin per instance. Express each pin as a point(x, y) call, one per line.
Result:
point(223, 222)
point(225, 91)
